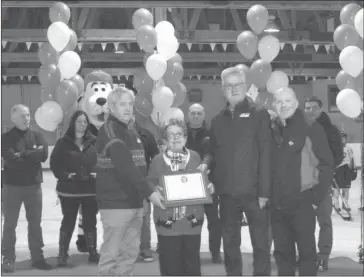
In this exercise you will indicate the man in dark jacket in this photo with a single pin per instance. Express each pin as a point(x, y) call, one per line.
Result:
point(314, 111)
point(121, 186)
point(23, 151)
point(302, 166)
point(241, 144)
point(198, 139)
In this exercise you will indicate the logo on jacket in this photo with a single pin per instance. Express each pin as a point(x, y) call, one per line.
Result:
point(244, 115)
point(184, 179)
point(139, 157)
point(290, 143)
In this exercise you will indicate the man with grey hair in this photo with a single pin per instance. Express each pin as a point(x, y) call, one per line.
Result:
point(23, 150)
point(121, 185)
point(241, 144)
point(302, 165)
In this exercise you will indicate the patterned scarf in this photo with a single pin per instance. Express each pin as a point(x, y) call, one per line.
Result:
point(178, 161)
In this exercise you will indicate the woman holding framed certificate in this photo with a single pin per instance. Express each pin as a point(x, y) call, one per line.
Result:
point(185, 191)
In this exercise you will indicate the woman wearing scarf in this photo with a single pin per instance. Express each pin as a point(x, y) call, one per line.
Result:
point(178, 228)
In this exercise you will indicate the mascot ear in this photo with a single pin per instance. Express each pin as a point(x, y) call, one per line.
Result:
point(79, 99)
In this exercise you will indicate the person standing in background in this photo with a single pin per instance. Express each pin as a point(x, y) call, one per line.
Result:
point(198, 140)
point(23, 151)
point(314, 112)
point(343, 175)
point(73, 162)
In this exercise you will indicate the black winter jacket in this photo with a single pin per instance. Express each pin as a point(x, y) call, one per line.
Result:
point(199, 140)
point(67, 158)
point(241, 150)
point(22, 157)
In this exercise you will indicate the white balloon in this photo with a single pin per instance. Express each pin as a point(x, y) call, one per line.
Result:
point(278, 79)
point(164, 28)
point(349, 103)
point(351, 60)
point(358, 22)
point(162, 99)
point(44, 122)
point(69, 64)
point(173, 113)
point(268, 48)
point(156, 66)
point(167, 46)
point(58, 35)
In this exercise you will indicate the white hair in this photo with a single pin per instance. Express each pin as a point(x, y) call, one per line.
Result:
point(18, 107)
point(115, 95)
point(196, 105)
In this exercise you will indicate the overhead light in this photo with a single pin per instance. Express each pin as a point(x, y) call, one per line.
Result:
point(272, 26)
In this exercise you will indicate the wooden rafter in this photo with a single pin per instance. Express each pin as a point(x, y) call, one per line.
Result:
point(294, 19)
point(176, 19)
point(83, 18)
point(236, 19)
point(199, 36)
point(74, 18)
point(272, 5)
point(284, 18)
point(188, 71)
point(188, 57)
point(194, 19)
point(160, 14)
point(319, 22)
point(184, 16)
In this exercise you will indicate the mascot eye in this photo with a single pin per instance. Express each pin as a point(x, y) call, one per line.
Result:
point(96, 89)
point(103, 89)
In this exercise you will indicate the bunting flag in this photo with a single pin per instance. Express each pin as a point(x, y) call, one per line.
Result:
point(21, 78)
point(79, 46)
point(281, 45)
point(118, 77)
point(306, 78)
point(294, 45)
point(116, 45)
point(29, 78)
point(316, 46)
point(224, 46)
point(214, 77)
point(212, 45)
point(103, 46)
point(313, 78)
point(189, 46)
point(327, 47)
point(291, 77)
point(5, 78)
point(28, 44)
point(40, 44)
point(199, 77)
point(4, 43)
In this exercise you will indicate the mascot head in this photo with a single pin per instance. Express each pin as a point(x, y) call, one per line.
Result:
point(98, 86)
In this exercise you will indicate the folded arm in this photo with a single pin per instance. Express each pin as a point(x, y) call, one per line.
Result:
point(38, 155)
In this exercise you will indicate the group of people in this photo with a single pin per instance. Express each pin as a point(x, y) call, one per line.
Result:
point(274, 168)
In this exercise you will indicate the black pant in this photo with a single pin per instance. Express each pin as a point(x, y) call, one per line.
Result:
point(12, 199)
point(231, 210)
point(70, 206)
point(179, 255)
point(214, 226)
point(291, 226)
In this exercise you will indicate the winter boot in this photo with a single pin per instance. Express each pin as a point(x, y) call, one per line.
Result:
point(91, 241)
point(64, 243)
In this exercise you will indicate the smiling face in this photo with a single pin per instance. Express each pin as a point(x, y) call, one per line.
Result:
point(123, 108)
point(234, 85)
point(285, 102)
point(94, 102)
point(175, 138)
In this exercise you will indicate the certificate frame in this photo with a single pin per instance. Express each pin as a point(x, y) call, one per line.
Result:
point(202, 197)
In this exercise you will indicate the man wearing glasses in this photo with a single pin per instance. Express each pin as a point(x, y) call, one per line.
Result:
point(241, 144)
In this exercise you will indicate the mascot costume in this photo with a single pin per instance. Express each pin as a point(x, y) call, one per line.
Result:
point(98, 85)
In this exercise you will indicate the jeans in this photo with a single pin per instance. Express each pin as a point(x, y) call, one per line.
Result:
point(13, 198)
point(120, 248)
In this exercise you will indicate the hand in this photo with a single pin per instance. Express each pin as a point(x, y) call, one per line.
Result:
point(314, 207)
point(202, 167)
point(40, 147)
point(211, 187)
point(262, 202)
point(156, 199)
point(71, 175)
point(17, 154)
point(93, 174)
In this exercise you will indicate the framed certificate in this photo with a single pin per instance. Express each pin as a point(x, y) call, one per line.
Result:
point(185, 188)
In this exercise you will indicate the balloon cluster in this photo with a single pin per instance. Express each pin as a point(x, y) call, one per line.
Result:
point(249, 44)
point(61, 85)
point(159, 84)
point(348, 37)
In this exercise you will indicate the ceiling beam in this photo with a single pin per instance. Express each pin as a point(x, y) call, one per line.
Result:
point(194, 20)
point(199, 36)
point(160, 14)
point(82, 18)
point(187, 72)
point(319, 22)
point(188, 57)
point(284, 18)
point(236, 18)
point(176, 18)
point(272, 5)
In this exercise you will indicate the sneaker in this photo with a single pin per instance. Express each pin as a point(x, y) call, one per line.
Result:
point(7, 267)
point(42, 265)
point(324, 264)
point(147, 258)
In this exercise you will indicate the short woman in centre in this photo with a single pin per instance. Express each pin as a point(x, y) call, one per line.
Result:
point(178, 228)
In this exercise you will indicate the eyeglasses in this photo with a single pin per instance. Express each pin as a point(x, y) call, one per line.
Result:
point(235, 86)
point(174, 136)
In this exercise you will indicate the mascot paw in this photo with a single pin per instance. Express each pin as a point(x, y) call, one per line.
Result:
point(81, 244)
